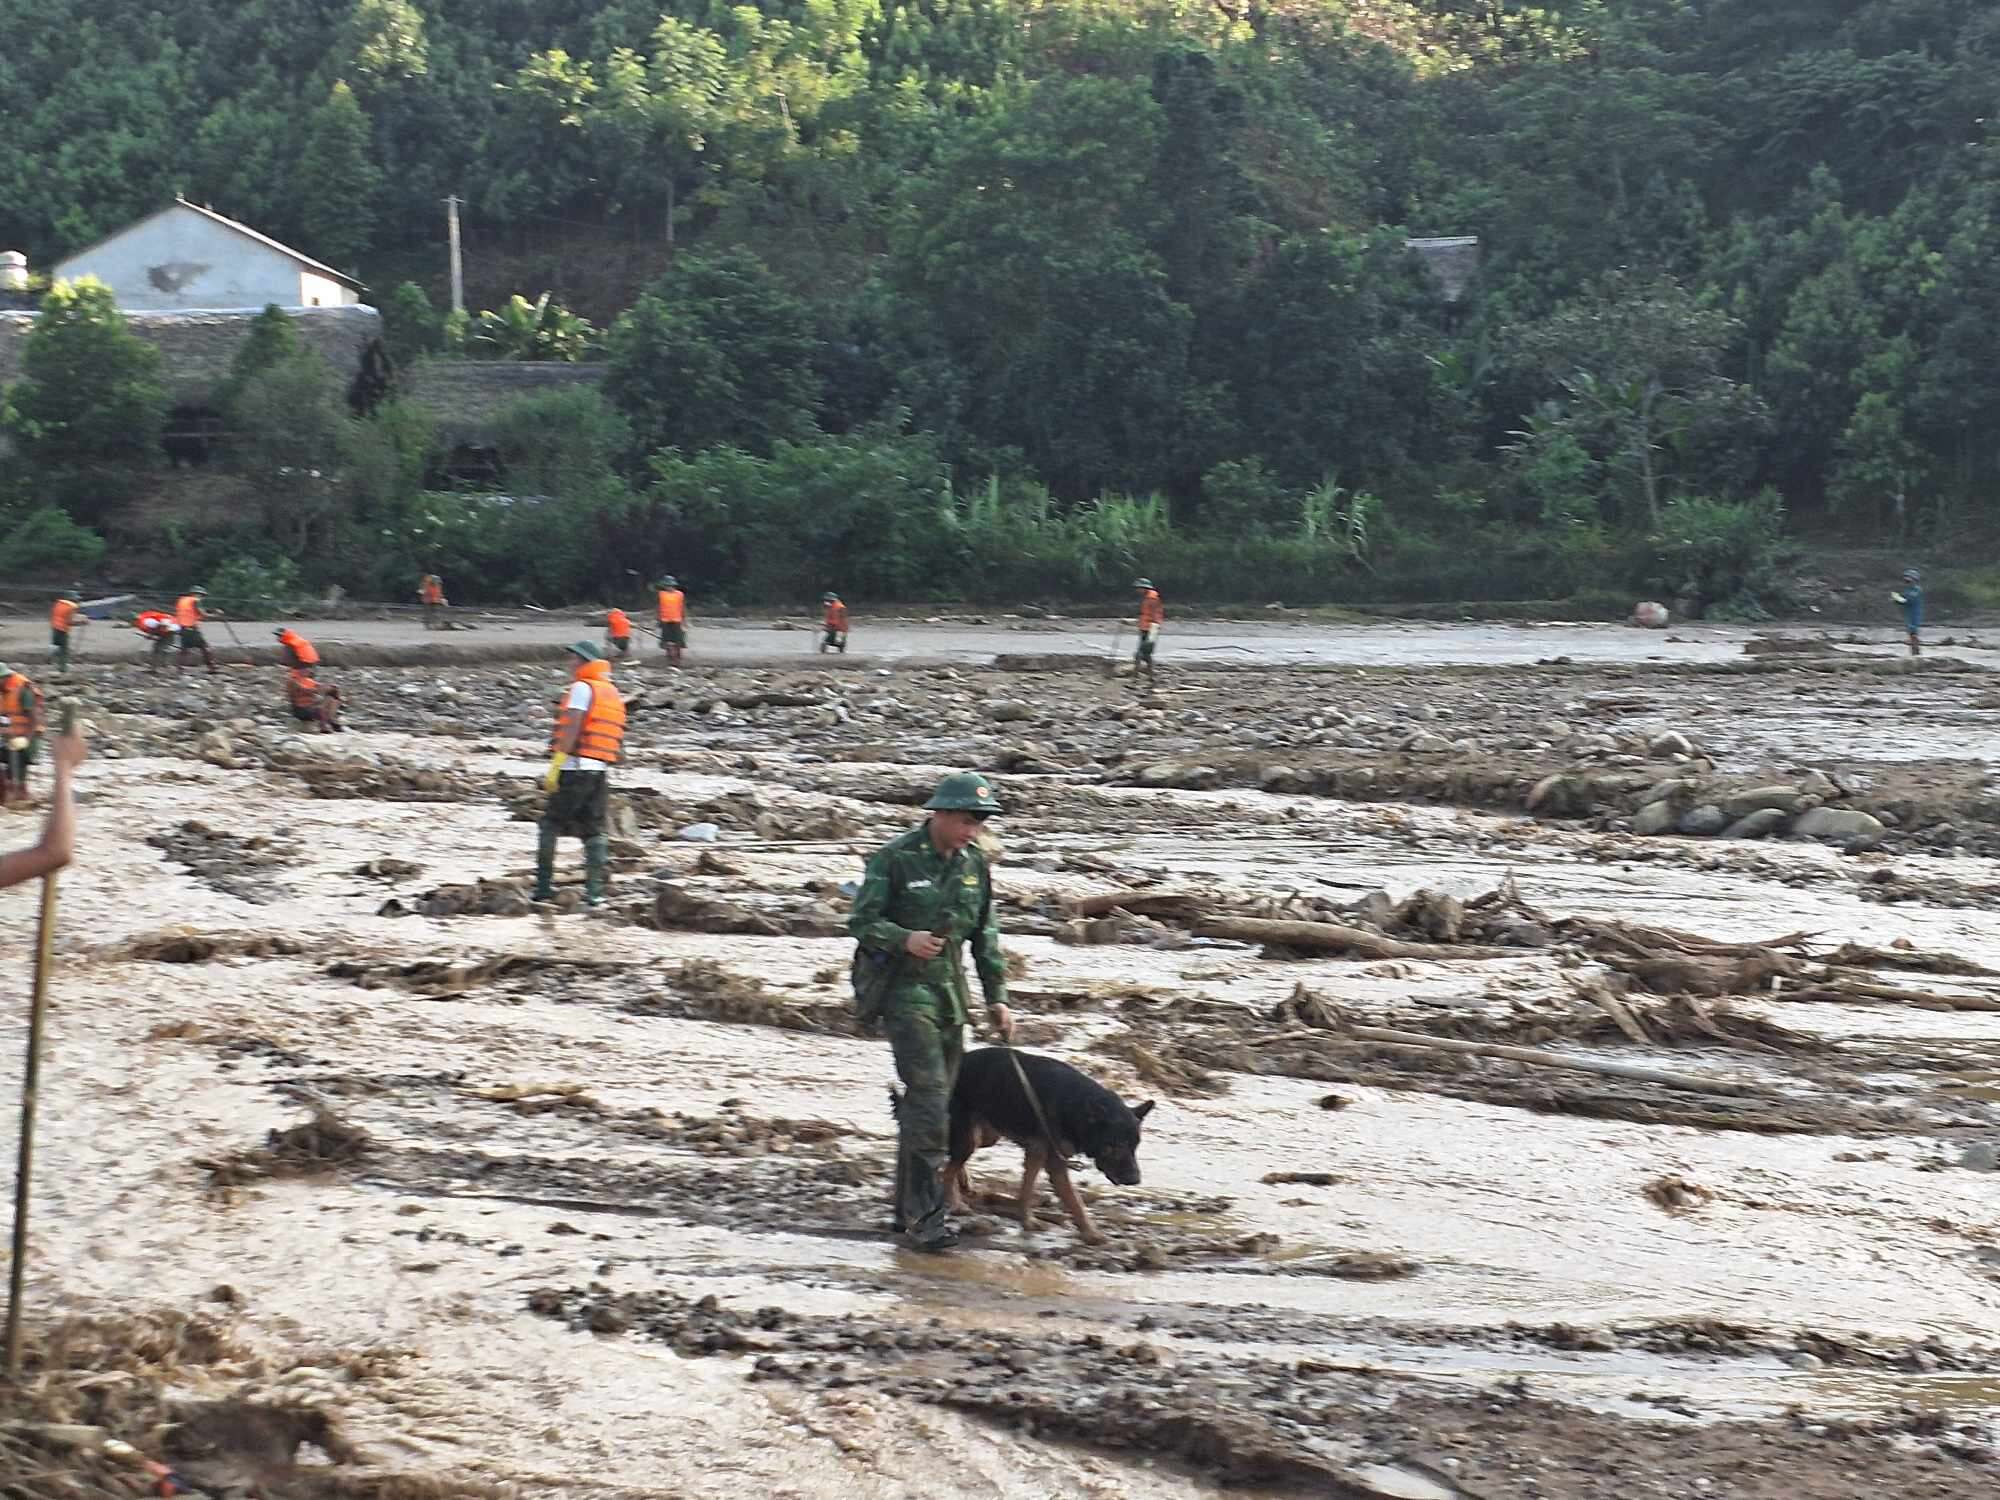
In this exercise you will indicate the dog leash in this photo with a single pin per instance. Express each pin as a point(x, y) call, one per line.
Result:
point(941, 930)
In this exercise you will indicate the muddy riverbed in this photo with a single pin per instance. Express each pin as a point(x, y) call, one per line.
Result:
point(595, 1203)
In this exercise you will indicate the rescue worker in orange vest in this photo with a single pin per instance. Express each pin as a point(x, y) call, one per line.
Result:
point(673, 619)
point(159, 627)
point(311, 703)
point(618, 631)
point(58, 842)
point(188, 615)
point(65, 616)
point(295, 648)
point(1152, 615)
point(835, 622)
point(588, 740)
point(21, 717)
point(431, 591)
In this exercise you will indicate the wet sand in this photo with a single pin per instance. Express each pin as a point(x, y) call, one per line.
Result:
point(582, 1126)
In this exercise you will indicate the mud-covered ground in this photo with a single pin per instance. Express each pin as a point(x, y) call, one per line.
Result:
point(595, 1203)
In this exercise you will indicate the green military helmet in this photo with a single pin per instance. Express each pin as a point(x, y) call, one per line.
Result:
point(587, 650)
point(670, 582)
point(964, 791)
point(74, 591)
point(828, 597)
point(1143, 583)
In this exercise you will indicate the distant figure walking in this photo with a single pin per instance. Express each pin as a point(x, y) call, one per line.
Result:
point(1911, 597)
point(431, 592)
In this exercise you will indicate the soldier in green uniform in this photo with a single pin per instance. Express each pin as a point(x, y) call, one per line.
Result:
point(924, 895)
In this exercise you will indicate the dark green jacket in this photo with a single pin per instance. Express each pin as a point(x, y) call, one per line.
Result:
point(907, 887)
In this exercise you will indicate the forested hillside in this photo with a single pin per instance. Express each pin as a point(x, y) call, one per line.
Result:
point(975, 297)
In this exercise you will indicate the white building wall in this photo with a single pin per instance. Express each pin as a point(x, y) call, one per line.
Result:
point(316, 290)
point(180, 259)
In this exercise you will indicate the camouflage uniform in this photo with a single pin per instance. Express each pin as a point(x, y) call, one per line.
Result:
point(910, 887)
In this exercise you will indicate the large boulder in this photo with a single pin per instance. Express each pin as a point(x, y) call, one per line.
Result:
point(1841, 825)
point(1788, 800)
point(1765, 820)
point(1655, 817)
point(1704, 821)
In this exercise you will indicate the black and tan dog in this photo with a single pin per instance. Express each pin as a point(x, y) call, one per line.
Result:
point(988, 1106)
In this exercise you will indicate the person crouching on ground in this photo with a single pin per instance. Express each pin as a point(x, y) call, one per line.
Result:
point(588, 741)
point(311, 703)
point(618, 632)
point(926, 894)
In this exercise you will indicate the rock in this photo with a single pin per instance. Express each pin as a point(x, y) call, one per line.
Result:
point(1654, 818)
point(1008, 710)
point(1278, 779)
point(1980, 1156)
point(1561, 795)
point(1819, 784)
point(1594, 744)
point(1799, 1359)
point(1555, 729)
point(217, 749)
point(1704, 821)
point(1786, 799)
point(1841, 825)
point(1671, 743)
point(1649, 614)
point(1179, 774)
point(1426, 743)
point(699, 833)
point(1765, 820)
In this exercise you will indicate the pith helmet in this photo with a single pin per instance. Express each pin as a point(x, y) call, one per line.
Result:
point(964, 791)
point(1911, 575)
point(587, 650)
point(198, 592)
point(670, 582)
point(1143, 583)
point(74, 591)
point(828, 597)
point(280, 631)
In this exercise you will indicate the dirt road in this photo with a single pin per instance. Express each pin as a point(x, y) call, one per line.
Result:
point(616, 1223)
point(909, 640)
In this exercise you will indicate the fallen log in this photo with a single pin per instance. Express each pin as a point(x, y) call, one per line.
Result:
point(1174, 906)
point(1852, 992)
point(1411, 1041)
point(1333, 937)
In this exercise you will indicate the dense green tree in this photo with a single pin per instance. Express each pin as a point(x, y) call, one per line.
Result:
point(717, 352)
point(90, 405)
point(337, 181)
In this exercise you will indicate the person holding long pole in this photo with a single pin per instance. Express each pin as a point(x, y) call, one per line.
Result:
point(54, 850)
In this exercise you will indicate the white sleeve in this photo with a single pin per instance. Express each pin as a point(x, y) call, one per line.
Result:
point(579, 697)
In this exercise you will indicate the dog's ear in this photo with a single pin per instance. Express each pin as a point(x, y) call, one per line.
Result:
point(1140, 1111)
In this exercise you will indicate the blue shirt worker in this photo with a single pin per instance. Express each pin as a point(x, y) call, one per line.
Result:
point(1911, 597)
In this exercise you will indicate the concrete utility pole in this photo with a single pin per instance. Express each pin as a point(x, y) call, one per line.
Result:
point(457, 260)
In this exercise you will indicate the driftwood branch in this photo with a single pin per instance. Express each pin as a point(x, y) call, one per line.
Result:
point(1334, 937)
point(1411, 1041)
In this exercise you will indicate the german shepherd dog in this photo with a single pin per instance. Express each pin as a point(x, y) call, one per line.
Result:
point(1086, 1119)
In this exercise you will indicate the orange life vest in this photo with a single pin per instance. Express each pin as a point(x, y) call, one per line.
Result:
point(1151, 611)
point(301, 689)
point(20, 706)
point(673, 607)
point(65, 610)
point(836, 617)
point(603, 736)
point(618, 625)
point(300, 647)
point(187, 610)
point(433, 589)
point(153, 622)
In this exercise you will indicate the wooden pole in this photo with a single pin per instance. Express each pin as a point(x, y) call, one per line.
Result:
point(31, 1079)
point(457, 258)
point(1335, 937)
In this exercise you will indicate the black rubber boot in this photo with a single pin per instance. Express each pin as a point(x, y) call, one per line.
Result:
point(596, 869)
point(545, 866)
